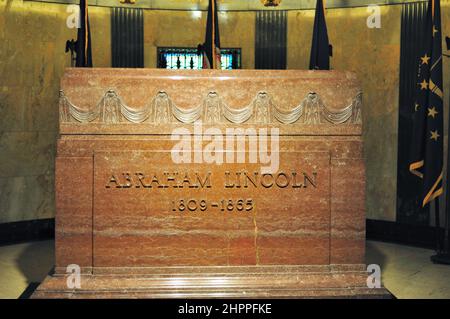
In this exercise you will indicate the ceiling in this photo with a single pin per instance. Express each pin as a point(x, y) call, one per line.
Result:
point(228, 5)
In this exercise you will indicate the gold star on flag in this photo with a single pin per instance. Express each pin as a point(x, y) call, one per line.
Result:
point(425, 59)
point(424, 85)
point(435, 30)
point(432, 112)
point(416, 107)
point(434, 135)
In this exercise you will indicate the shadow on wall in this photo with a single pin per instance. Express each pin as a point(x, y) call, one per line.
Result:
point(35, 262)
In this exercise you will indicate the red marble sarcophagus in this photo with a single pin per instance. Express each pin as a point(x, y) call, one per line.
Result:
point(209, 184)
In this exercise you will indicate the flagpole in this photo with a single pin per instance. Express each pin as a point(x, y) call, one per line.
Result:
point(436, 202)
point(437, 224)
point(443, 256)
point(86, 34)
point(447, 199)
point(213, 51)
point(447, 195)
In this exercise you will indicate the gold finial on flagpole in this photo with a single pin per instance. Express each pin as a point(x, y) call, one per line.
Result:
point(432, 10)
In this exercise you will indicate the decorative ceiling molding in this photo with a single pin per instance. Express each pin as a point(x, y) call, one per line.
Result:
point(228, 5)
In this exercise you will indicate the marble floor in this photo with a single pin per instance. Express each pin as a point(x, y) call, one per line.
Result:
point(406, 271)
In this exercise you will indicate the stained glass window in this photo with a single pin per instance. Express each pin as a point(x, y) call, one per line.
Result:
point(187, 58)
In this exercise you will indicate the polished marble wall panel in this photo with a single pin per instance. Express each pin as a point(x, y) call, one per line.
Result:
point(32, 62)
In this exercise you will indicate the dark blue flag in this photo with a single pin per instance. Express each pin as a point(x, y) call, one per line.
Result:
point(320, 49)
point(211, 47)
point(427, 140)
point(83, 44)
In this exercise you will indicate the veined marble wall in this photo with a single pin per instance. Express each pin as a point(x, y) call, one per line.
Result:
point(374, 54)
point(32, 60)
point(187, 29)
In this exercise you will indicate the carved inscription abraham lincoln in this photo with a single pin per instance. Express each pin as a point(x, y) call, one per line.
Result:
point(240, 179)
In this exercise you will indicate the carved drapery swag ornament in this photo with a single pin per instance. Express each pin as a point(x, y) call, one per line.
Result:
point(112, 110)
